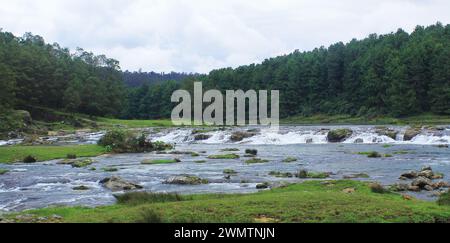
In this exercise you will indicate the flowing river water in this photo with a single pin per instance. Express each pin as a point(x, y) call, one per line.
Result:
point(29, 186)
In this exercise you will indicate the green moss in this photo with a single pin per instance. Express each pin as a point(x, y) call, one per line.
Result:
point(290, 160)
point(45, 153)
point(371, 154)
point(224, 156)
point(256, 161)
point(82, 163)
point(3, 171)
point(160, 161)
point(194, 154)
point(110, 169)
point(309, 202)
point(230, 172)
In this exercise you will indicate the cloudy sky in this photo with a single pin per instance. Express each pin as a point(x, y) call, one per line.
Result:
point(200, 35)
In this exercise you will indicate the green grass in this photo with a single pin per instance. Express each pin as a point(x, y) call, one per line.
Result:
point(160, 162)
point(308, 202)
point(44, 153)
point(134, 123)
point(424, 119)
point(2, 171)
point(224, 156)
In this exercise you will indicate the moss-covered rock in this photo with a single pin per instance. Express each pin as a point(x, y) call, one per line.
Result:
point(224, 156)
point(251, 152)
point(229, 172)
point(339, 135)
point(290, 160)
point(82, 163)
point(186, 180)
point(411, 133)
point(160, 161)
point(257, 161)
point(3, 171)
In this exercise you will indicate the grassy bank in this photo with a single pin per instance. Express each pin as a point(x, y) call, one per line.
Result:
point(106, 122)
point(309, 202)
point(12, 154)
point(425, 119)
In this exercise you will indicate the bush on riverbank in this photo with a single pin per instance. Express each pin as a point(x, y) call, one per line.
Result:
point(444, 199)
point(121, 141)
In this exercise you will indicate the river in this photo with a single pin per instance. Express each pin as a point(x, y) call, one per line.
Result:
point(29, 186)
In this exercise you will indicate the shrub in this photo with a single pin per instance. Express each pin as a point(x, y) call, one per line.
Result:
point(29, 159)
point(149, 216)
point(377, 188)
point(138, 198)
point(444, 199)
point(120, 141)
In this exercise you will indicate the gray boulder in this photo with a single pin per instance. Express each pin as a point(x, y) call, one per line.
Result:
point(118, 184)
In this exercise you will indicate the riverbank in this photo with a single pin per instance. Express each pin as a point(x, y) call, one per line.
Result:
point(310, 202)
point(11, 154)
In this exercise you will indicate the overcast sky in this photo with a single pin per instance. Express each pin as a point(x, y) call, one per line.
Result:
point(201, 35)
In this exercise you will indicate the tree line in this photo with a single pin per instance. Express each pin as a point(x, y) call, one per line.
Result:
point(397, 74)
point(33, 72)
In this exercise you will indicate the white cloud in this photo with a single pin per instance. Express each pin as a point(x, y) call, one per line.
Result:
point(200, 35)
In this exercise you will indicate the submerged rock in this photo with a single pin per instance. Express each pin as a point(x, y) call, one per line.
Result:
point(201, 137)
point(118, 184)
point(339, 135)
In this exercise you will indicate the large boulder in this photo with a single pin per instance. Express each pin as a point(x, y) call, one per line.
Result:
point(118, 184)
point(422, 182)
point(411, 133)
point(387, 132)
point(409, 175)
point(239, 136)
point(186, 180)
point(339, 135)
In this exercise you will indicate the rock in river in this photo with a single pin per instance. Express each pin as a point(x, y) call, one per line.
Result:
point(339, 135)
point(186, 180)
point(118, 184)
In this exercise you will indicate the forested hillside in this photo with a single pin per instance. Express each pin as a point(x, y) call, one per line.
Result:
point(35, 73)
point(397, 74)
